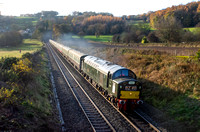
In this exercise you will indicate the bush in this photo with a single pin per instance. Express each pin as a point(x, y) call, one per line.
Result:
point(188, 36)
point(24, 70)
point(144, 40)
point(152, 37)
point(27, 55)
point(116, 38)
point(7, 62)
point(198, 55)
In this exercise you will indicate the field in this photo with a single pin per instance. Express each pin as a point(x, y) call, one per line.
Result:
point(101, 38)
point(28, 45)
point(193, 29)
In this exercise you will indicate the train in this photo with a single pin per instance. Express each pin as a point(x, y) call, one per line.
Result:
point(118, 84)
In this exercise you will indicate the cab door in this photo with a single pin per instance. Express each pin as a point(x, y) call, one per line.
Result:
point(109, 83)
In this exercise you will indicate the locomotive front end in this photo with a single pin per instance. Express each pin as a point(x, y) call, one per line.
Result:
point(129, 95)
point(129, 89)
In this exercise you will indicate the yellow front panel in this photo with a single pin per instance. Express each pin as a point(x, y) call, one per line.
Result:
point(129, 94)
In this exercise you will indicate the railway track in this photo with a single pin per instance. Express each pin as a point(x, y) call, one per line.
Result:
point(96, 118)
point(91, 111)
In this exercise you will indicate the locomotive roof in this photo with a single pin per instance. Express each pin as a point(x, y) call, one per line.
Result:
point(102, 65)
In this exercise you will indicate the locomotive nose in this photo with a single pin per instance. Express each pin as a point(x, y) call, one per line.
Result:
point(139, 102)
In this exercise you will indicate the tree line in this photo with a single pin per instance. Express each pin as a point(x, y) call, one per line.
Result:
point(168, 25)
point(87, 23)
point(188, 15)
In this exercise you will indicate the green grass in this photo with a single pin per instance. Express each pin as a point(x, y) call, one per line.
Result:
point(34, 23)
point(101, 38)
point(193, 29)
point(21, 17)
point(28, 45)
point(185, 56)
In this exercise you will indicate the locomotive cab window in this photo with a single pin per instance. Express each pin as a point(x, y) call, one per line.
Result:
point(124, 73)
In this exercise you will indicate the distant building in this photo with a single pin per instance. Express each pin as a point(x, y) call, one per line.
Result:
point(27, 15)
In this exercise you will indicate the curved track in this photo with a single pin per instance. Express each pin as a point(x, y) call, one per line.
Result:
point(97, 119)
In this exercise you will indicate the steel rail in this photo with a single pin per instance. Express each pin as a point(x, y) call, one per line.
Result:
point(79, 102)
point(150, 124)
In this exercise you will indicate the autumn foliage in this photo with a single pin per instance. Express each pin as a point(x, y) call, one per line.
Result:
point(188, 14)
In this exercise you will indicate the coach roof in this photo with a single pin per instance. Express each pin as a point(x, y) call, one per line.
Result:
point(102, 65)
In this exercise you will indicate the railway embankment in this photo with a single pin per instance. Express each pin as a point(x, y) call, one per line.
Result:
point(170, 84)
point(26, 102)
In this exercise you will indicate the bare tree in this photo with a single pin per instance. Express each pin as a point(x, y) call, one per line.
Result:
point(169, 29)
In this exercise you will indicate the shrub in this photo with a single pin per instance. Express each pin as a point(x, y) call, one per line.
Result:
point(188, 36)
point(116, 38)
point(27, 55)
point(144, 40)
point(198, 55)
point(152, 37)
point(7, 62)
point(24, 70)
point(6, 96)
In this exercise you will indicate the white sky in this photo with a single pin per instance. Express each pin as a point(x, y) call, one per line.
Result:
point(66, 7)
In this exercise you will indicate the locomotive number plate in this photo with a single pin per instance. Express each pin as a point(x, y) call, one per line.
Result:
point(130, 88)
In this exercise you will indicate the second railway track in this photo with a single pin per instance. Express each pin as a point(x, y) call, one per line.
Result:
point(91, 111)
point(103, 116)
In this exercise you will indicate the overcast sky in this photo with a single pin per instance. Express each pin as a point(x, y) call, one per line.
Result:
point(66, 7)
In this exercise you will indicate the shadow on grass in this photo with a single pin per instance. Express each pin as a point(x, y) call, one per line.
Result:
point(181, 107)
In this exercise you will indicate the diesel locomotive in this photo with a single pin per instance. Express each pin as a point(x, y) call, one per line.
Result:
point(118, 84)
